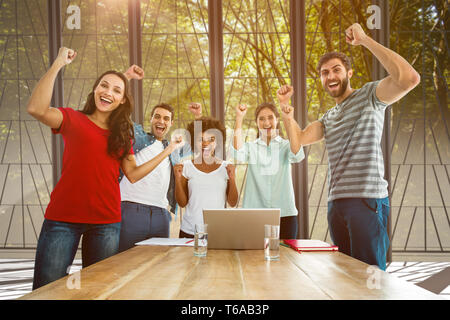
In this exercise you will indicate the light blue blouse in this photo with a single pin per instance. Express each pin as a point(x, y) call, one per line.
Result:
point(269, 177)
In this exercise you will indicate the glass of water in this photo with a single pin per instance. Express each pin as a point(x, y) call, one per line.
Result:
point(201, 240)
point(271, 242)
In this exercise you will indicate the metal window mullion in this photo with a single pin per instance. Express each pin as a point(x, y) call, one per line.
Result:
point(215, 36)
point(298, 72)
point(378, 72)
point(424, 135)
point(216, 70)
point(135, 53)
point(54, 43)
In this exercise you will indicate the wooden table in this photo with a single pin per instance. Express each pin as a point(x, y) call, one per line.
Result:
point(155, 272)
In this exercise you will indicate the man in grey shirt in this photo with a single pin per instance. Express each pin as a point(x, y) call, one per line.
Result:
point(358, 203)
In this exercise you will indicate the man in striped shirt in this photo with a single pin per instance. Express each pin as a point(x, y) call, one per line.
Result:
point(358, 203)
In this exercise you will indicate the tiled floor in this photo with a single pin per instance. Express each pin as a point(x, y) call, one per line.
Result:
point(417, 272)
point(16, 275)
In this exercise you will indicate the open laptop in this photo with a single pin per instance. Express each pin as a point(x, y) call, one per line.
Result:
point(238, 228)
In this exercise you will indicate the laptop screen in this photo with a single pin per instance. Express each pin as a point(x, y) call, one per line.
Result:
point(238, 228)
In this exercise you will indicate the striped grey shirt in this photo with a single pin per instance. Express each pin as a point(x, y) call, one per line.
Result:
point(353, 131)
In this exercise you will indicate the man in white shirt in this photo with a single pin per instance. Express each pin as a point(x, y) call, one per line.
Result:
point(144, 203)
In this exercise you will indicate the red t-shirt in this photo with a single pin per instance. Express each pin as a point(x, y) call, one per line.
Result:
point(88, 190)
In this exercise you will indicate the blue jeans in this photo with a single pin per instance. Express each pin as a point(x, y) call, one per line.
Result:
point(140, 222)
point(58, 243)
point(358, 226)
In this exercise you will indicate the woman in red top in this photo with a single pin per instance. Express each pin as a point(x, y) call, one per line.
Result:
point(86, 199)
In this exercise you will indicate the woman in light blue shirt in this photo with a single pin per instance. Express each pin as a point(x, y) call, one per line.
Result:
point(269, 158)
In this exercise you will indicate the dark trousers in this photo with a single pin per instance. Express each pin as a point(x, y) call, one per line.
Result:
point(288, 227)
point(358, 226)
point(140, 222)
point(185, 235)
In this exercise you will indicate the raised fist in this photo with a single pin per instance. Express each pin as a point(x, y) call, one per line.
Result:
point(134, 72)
point(355, 34)
point(231, 170)
point(196, 109)
point(241, 110)
point(178, 170)
point(287, 112)
point(66, 55)
point(176, 142)
point(284, 94)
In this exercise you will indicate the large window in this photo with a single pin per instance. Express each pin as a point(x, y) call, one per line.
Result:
point(420, 130)
point(256, 48)
point(25, 147)
point(176, 52)
point(175, 56)
point(101, 42)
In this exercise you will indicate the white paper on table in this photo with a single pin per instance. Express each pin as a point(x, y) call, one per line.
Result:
point(189, 242)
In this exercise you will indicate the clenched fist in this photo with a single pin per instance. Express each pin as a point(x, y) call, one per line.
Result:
point(176, 142)
point(287, 112)
point(355, 34)
point(65, 55)
point(284, 94)
point(241, 110)
point(134, 72)
point(196, 109)
point(178, 170)
point(231, 170)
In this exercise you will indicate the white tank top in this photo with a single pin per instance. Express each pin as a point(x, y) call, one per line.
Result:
point(206, 191)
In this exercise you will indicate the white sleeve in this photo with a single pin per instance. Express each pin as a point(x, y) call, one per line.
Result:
point(186, 170)
point(225, 172)
point(294, 158)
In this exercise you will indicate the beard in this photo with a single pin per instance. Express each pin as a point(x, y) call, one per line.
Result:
point(343, 86)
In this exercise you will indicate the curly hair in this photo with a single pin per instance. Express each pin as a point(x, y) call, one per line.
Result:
point(120, 125)
point(207, 123)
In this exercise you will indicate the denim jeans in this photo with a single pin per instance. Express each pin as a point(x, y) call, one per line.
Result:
point(140, 222)
point(358, 226)
point(58, 243)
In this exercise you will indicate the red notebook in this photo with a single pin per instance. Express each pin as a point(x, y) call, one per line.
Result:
point(310, 245)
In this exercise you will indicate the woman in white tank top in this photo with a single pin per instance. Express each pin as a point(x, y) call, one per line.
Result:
point(206, 181)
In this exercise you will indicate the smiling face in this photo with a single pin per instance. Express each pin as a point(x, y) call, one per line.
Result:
point(207, 144)
point(161, 122)
point(335, 78)
point(267, 123)
point(109, 93)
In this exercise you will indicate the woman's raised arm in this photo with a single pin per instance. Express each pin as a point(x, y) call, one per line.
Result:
point(39, 103)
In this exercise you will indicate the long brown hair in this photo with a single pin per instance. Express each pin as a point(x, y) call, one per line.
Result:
point(119, 121)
